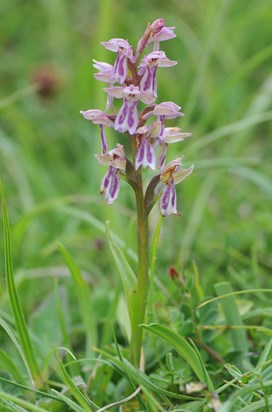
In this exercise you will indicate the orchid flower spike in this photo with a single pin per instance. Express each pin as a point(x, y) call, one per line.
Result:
point(133, 80)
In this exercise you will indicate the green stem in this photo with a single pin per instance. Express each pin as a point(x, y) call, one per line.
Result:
point(142, 278)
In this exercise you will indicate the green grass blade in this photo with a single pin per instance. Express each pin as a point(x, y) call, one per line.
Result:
point(68, 401)
point(258, 406)
point(76, 393)
point(18, 347)
point(61, 316)
point(228, 129)
point(140, 378)
point(184, 349)
point(231, 312)
point(21, 402)
point(265, 356)
point(83, 294)
point(17, 311)
point(7, 363)
point(259, 179)
point(26, 388)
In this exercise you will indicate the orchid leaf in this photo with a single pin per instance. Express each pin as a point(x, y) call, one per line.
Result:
point(127, 275)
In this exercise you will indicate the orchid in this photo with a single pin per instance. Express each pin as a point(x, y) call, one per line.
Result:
point(137, 86)
point(141, 120)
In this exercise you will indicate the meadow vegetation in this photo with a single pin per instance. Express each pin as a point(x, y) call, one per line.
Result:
point(64, 342)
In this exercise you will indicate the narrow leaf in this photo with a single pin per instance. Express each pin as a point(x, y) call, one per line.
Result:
point(82, 290)
point(10, 366)
point(184, 349)
point(77, 394)
point(21, 402)
point(17, 311)
point(127, 275)
point(74, 406)
point(231, 312)
point(10, 333)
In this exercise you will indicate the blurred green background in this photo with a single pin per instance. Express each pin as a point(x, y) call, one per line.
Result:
point(224, 84)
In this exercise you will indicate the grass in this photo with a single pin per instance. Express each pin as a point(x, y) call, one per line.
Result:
point(60, 287)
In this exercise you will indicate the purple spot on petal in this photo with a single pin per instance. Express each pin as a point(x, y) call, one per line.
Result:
point(114, 185)
point(147, 79)
point(149, 154)
point(141, 151)
point(121, 69)
point(123, 112)
point(133, 116)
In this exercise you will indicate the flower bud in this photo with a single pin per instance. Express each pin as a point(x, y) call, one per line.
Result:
point(157, 25)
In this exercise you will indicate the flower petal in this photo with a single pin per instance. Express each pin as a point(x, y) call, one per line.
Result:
point(120, 68)
point(97, 117)
point(181, 174)
point(115, 43)
point(114, 158)
point(168, 200)
point(145, 155)
point(110, 185)
point(127, 117)
point(174, 134)
point(115, 91)
point(168, 109)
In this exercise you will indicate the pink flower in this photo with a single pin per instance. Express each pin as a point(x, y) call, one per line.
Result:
point(115, 160)
point(110, 185)
point(169, 177)
point(166, 33)
point(145, 153)
point(174, 134)
point(148, 70)
point(105, 71)
point(169, 135)
point(99, 117)
point(168, 110)
point(127, 117)
point(124, 50)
